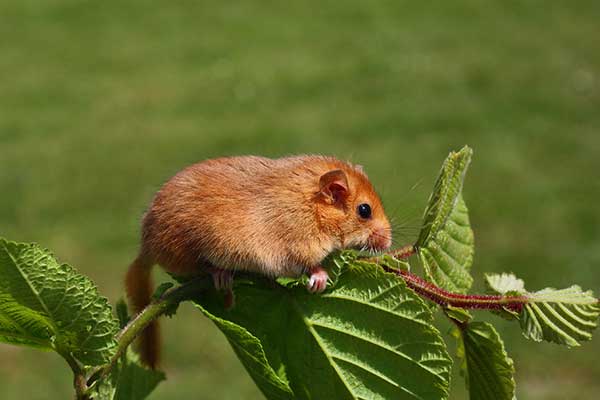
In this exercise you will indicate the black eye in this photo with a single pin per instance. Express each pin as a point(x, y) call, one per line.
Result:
point(364, 210)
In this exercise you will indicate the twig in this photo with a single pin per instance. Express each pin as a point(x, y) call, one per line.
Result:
point(446, 298)
point(404, 252)
point(400, 254)
point(79, 379)
point(468, 301)
point(171, 298)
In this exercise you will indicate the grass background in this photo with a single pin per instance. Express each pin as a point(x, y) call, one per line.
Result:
point(102, 101)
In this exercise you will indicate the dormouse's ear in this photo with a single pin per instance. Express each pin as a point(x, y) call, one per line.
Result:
point(334, 186)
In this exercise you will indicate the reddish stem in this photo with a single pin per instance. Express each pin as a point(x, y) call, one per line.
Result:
point(445, 298)
point(404, 252)
point(468, 301)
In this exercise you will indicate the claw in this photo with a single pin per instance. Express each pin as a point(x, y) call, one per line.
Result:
point(223, 281)
point(317, 281)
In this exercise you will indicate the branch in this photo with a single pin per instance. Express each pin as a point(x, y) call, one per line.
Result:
point(404, 252)
point(167, 301)
point(79, 380)
point(445, 298)
point(469, 301)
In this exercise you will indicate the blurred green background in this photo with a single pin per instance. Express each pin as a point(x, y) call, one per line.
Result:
point(102, 101)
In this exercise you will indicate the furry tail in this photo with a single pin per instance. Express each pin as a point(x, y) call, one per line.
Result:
point(138, 284)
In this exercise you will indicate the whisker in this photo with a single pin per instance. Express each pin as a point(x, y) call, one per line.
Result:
point(394, 240)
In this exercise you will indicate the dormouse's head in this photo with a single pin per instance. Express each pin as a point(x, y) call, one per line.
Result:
point(349, 209)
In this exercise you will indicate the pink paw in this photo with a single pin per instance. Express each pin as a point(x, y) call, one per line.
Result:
point(317, 282)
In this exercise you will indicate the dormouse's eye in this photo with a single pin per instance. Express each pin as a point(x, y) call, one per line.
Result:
point(364, 210)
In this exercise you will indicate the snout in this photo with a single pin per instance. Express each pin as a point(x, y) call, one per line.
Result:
point(380, 239)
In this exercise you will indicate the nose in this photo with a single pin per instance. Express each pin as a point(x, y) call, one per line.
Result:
point(380, 239)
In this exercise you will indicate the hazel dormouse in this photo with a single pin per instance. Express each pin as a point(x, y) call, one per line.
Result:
point(276, 217)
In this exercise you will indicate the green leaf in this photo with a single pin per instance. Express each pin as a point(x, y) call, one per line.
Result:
point(445, 244)
point(506, 284)
point(564, 316)
point(458, 314)
point(488, 370)
point(161, 289)
point(369, 336)
point(122, 313)
point(250, 351)
point(129, 380)
point(49, 305)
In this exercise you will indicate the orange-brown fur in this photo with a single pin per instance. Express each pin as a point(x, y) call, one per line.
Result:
point(255, 214)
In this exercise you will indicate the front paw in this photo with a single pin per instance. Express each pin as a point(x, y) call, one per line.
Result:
point(317, 281)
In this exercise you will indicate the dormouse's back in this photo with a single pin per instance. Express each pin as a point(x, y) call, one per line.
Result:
point(245, 182)
point(253, 175)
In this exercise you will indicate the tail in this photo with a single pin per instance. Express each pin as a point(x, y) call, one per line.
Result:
point(138, 284)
